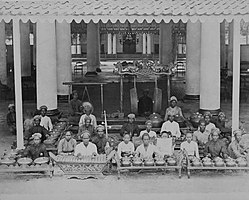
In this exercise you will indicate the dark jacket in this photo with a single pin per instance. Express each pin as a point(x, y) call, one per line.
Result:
point(130, 128)
point(34, 151)
point(37, 129)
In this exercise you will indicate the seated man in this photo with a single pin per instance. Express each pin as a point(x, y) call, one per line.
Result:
point(45, 120)
point(87, 126)
point(173, 109)
point(130, 127)
point(100, 140)
point(11, 119)
point(209, 124)
point(88, 109)
point(37, 149)
point(237, 148)
point(191, 147)
point(85, 148)
point(126, 147)
point(67, 145)
point(201, 136)
point(145, 104)
point(171, 126)
point(215, 147)
point(147, 150)
point(37, 128)
point(75, 108)
point(148, 130)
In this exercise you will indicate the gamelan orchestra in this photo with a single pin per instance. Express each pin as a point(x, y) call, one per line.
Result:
point(80, 144)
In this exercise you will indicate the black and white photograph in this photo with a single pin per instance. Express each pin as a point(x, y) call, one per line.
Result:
point(124, 99)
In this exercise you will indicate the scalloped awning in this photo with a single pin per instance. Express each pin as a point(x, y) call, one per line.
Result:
point(121, 10)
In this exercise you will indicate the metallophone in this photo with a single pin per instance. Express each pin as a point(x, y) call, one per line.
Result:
point(84, 167)
point(154, 167)
point(212, 165)
point(26, 167)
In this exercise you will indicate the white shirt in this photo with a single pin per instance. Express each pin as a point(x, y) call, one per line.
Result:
point(147, 153)
point(46, 123)
point(151, 133)
point(209, 127)
point(122, 147)
point(85, 150)
point(93, 120)
point(173, 127)
point(191, 148)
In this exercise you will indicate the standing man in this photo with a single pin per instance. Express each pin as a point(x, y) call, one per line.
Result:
point(75, 108)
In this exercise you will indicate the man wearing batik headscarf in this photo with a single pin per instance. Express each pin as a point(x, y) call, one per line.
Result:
point(100, 140)
point(173, 109)
point(37, 149)
point(37, 128)
point(130, 127)
point(87, 126)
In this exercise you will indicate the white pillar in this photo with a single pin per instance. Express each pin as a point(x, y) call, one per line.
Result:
point(3, 66)
point(210, 66)
point(109, 43)
point(63, 50)
point(193, 56)
point(46, 66)
point(144, 43)
point(148, 43)
point(78, 47)
point(230, 47)
point(25, 49)
point(114, 44)
point(236, 74)
point(18, 82)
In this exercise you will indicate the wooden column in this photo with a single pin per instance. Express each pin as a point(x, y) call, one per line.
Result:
point(148, 43)
point(63, 52)
point(93, 48)
point(114, 44)
point(144, 43)
point(34, 44)
point(222, 45)
point(46, 67)
point(210, 67)
point(236, 74)
point(230, 48)
point(166, 43)
point(18, 82)
point(193, 61)
point(3, 65)
point(109, 43)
